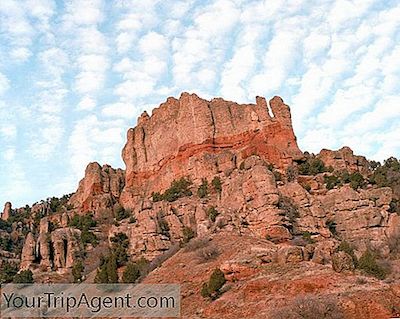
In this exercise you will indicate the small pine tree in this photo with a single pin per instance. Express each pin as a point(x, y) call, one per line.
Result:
point(131, 273)
point(101, 275)
point(77, 271)
point(112, 270)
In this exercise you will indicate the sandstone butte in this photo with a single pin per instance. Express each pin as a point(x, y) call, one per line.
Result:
point(277, 230)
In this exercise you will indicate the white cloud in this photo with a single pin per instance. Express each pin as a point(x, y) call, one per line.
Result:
point(87, 103)
point(119, 109)
point(4, 83)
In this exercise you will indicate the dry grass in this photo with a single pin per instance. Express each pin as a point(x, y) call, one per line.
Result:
point(310, 307)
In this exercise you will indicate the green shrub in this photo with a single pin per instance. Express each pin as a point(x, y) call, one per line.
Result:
point(132, 220)
point(312, 166)
point(24, 277)
point(368, 264)
point(131, 273)
point(88, 237)
point(214, 285)
point(7, 272)
point(212, 213)
point(202, 191)
point(188, 234)
point(157, 197)
point(179, 188)
point(277, 175)
point(216, 183)
point(307, 237)
point(356, 180)
point(331, 181)
point(163, 226)
point(84, 222)
point(120, 213)
point(6, 243)
point(77, 271)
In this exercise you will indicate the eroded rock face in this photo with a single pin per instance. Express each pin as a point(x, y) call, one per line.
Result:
point(6, 211)
point(28, 255)
point(360, 217)
point(344, 159)
point(57, 250)
point(99, 189)
point(192, 136)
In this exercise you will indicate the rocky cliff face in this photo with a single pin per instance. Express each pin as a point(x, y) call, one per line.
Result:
point(200, 138)
point(100, 188)
point(344, 159)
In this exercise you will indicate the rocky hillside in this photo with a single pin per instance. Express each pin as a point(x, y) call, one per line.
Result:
point(219, 186)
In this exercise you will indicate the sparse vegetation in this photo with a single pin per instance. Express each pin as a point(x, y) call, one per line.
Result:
point(348, 249)
point(217, 185)
point(157, 197)
point(119, 246)
point(197, 243)
point(369, 264)
point(212, 213)
point(163, 226)
point(131, 273)
point(85, 223)
point(312, 166)
point(202, 191)
point(82, 222)
point(307, 237)
point(77, 271)
point(7, 272)
point(120, 213)
point(310, 307)
point(331, 181)
point(24, 277)
point(212, 289)
point(188, 234)
point(179, 188)
point(132, 220)
point(207, 254)
point(291, 173)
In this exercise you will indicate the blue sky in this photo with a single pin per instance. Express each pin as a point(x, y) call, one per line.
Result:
point(74, 75)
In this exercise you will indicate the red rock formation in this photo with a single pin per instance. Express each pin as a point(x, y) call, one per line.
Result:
point(344, 159)
point(6, 211)
point(99, 189)
point(196, 137)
